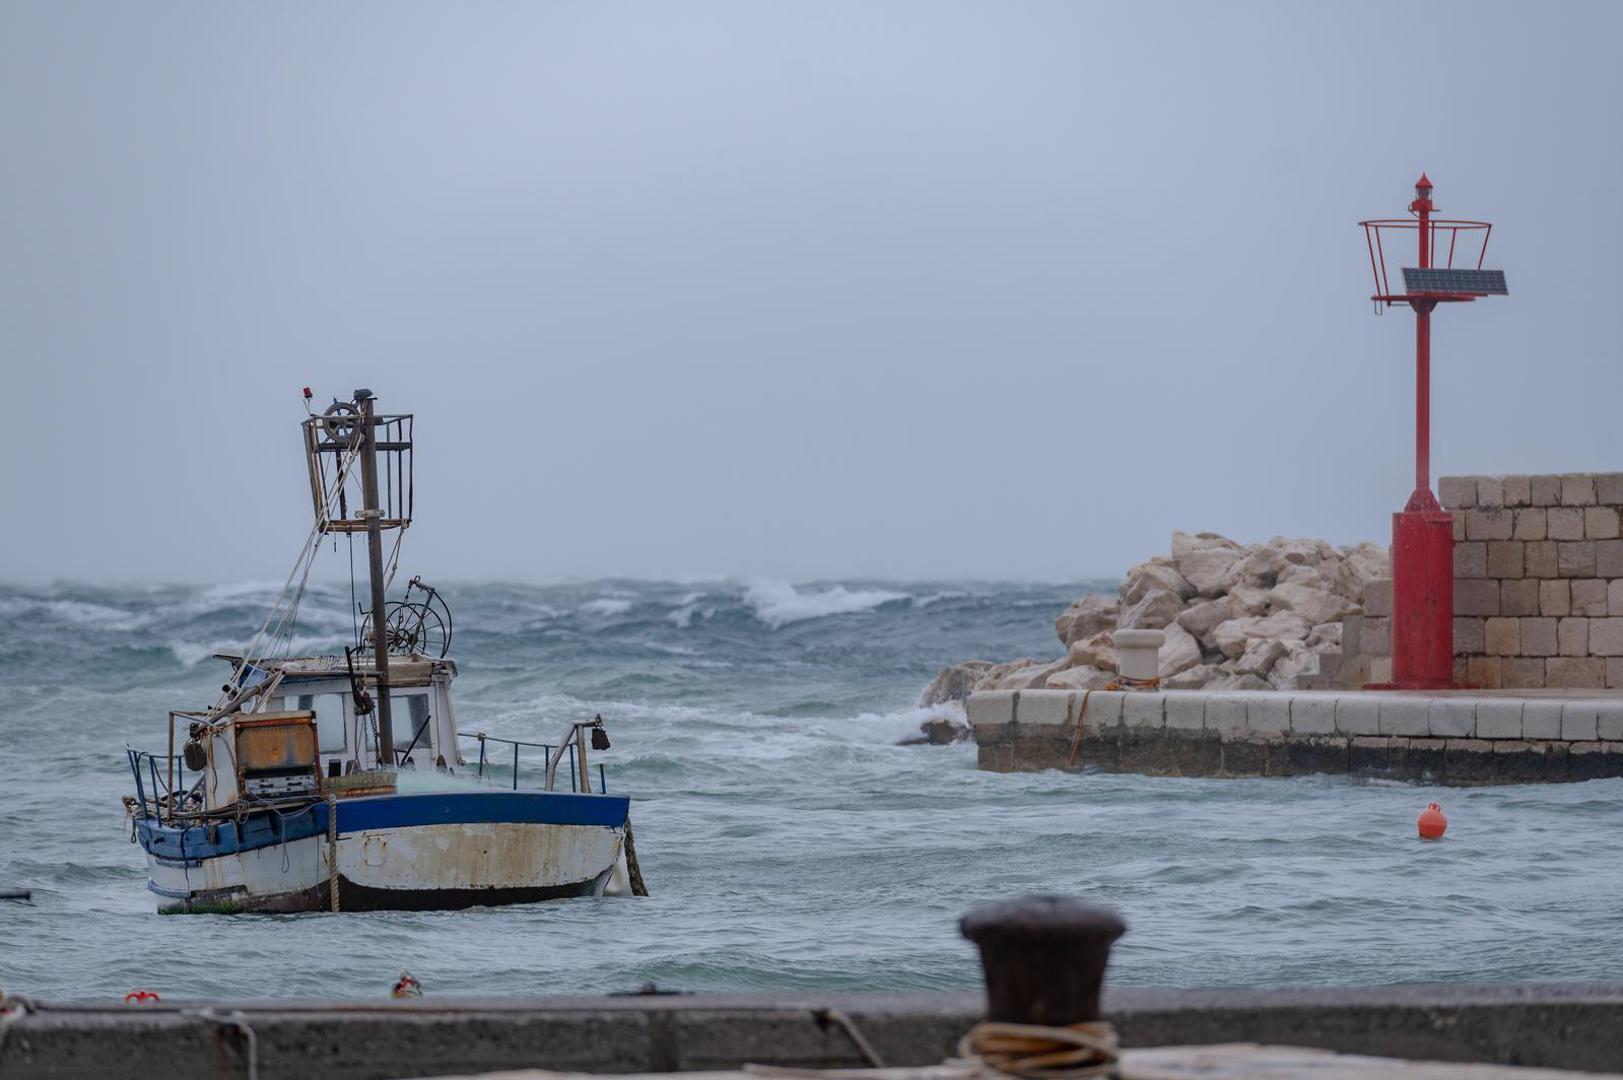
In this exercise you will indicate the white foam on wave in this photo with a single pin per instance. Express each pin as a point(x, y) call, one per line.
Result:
point(778, 603)
point(607, 606)
point(688, 614)
point(78, 612)
point(241, 590)
point(887, 728)
point(189, 653)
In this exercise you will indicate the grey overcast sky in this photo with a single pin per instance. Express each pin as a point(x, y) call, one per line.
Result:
point(799, 290)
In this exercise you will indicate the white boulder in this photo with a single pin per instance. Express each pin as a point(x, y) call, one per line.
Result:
point(1232, 637)
point(1301, 552)
point(1087, 617)
point(1240, 682)
point(1205, 560)
point(1313, 604)
point(1080, 678)
point(1183, 543)
point(1033, 676)
point(954, 683)
point(1002, 676)
point(1259, 569)
point(1248, 600)
point(1259, 656)
point(1298, 660)
point(1368, 562)
point(1180, 652)
point(1326, 638)
point(1154, 610)
point(1098, 651)
point(1201, 619)
point(1194, 678)
point(1284, 625)
point(1145, 577)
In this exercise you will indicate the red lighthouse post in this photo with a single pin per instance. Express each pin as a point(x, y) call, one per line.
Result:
point(1423, 532)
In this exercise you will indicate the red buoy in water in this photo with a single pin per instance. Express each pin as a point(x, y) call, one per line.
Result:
point(1432, 823)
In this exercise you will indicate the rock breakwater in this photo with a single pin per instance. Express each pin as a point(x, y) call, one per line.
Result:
point(1236, 617)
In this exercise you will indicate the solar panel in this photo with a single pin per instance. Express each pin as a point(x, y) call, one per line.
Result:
point(1471, 282)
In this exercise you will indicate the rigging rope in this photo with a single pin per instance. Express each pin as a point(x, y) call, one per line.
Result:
point(287, 608)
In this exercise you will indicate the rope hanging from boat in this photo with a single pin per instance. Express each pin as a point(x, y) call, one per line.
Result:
point(332, 852)
point(633, 870)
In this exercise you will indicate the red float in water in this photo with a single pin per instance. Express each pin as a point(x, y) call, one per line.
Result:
point(1432, 823)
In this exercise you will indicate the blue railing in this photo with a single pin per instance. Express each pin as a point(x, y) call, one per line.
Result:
point(151, 792)
point(487, 767)
point(156, 798)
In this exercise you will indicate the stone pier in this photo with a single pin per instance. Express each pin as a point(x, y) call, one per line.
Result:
point(1452, 737)
point(1557, 1025)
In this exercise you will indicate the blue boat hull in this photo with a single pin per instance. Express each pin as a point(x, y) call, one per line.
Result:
point(435, 851)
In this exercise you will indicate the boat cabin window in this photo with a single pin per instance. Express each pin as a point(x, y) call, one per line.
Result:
point(329, 710)
point(413, 725)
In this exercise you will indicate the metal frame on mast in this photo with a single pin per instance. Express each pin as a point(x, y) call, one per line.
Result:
point(374, 561)
point(385, 451)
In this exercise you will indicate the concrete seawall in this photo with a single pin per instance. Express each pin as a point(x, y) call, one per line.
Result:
point(1572, 1026)
point(1456, 737)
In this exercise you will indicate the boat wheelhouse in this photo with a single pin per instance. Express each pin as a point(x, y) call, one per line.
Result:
point(342, 782)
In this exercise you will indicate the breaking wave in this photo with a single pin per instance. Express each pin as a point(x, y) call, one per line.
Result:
point(778, 603)
point(608, 606)
point(580, 630)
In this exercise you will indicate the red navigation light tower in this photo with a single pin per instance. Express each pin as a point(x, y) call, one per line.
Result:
point(1423, 533)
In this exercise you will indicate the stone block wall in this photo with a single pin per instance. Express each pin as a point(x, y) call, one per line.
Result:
point(1538, 579)
point(1453, 738)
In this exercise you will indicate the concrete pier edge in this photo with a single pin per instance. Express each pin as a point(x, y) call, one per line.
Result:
point(1557, 1025)
point(1448, 737)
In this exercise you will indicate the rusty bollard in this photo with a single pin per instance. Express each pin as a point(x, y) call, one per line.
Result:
point(1044, 958)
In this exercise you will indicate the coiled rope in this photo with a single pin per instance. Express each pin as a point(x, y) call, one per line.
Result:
point(1037, 1052)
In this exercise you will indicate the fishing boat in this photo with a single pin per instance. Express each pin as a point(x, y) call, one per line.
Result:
point(341, 782)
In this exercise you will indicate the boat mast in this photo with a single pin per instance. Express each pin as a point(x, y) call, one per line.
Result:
point(374, 557)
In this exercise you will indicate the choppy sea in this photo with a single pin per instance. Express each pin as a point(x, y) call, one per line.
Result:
point(787, 839)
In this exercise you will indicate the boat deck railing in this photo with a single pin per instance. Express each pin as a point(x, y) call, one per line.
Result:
point(489, 767)
point(160, 790)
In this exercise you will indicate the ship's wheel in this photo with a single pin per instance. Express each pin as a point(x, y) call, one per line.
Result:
point(338, 422)
point(413, 627)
